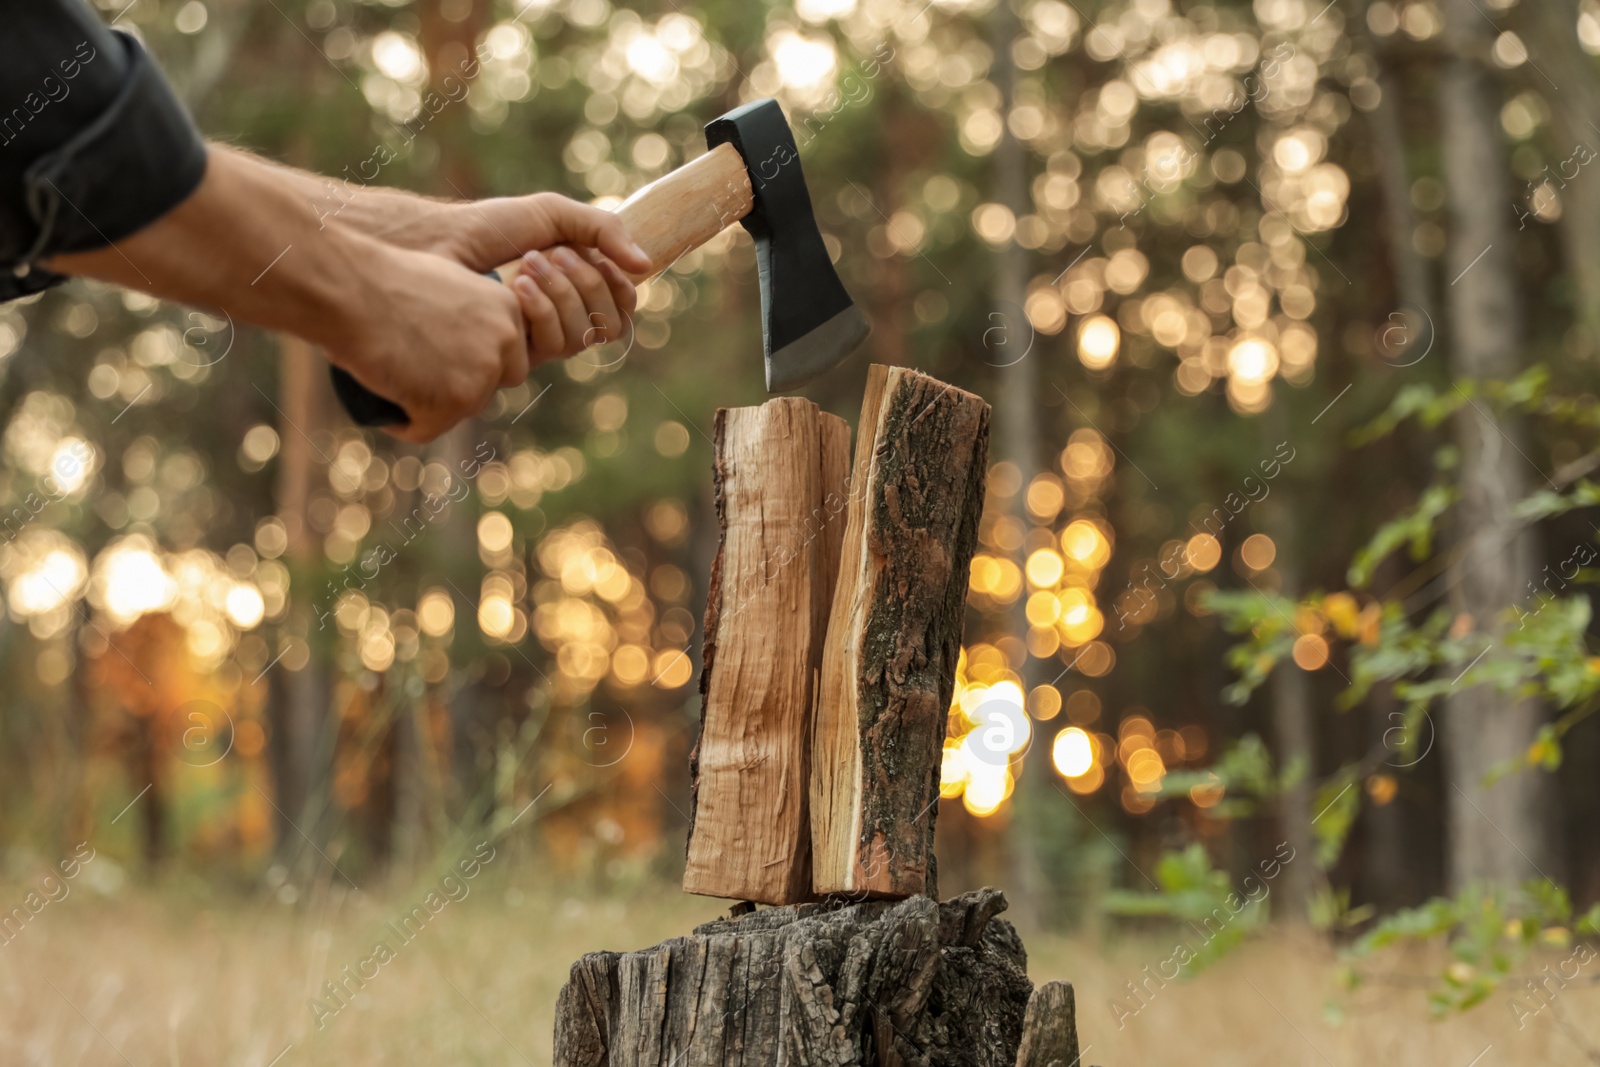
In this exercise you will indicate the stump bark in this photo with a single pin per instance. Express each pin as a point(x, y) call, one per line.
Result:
point(892, 984)
point(1050, 1029)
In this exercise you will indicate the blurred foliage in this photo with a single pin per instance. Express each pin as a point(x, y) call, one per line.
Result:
point(1191, 891)
point(1490, 934)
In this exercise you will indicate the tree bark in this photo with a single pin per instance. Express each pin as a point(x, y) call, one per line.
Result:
point(1496, 833)
point(1050, 1028)
point(824, 985)
point(895, 634)
point(781, 475)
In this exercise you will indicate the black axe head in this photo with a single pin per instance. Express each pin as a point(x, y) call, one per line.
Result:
point(808, 322)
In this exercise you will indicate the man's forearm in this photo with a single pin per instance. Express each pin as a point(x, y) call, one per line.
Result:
point(406, 219)
point(248, 244)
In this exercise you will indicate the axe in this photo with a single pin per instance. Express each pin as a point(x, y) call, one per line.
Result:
point(751, 172)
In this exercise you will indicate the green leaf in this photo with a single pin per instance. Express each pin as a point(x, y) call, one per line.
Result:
point(1414, 526)
point(1547, 503)
point(1338, 803)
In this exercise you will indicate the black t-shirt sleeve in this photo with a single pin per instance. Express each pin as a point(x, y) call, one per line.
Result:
point(94, 146)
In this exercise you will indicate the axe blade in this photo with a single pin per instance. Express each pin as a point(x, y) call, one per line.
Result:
point(809, 324)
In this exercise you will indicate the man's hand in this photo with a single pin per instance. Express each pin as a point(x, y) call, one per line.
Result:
point(487, 233)
point(573, 284)
point(571, 302)
point(433, 336)
point(575, 296)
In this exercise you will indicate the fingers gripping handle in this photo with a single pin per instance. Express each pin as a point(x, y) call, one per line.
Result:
point(668, 218)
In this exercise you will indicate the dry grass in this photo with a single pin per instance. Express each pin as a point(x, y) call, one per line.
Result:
point(1264, 1006)
point(178, 978)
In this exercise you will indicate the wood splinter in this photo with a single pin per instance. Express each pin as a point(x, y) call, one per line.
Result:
point(780, 474)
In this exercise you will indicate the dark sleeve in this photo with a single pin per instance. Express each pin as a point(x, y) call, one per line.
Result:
point(93, 144)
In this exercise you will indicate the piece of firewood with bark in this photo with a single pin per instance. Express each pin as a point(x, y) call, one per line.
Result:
point(893, 984)
point(889, 663)
point(781, 473)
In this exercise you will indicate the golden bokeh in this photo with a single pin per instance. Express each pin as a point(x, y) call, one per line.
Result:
point(1073, 752)
point(1310, 652)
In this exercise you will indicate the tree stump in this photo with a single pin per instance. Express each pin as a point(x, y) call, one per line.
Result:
point(891, 984)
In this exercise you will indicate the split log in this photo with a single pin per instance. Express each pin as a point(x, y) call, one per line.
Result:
point(889, 664)
point(895, 984)
point(781, 472)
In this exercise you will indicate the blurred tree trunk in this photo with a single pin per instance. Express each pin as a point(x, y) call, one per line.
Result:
point(1017, 417)
point(406, 779)
point(891, 296)
point(298, 706)
point(1388, 876)
point(74, 809)
point(1414, 281)
point(1497, 834)
point(449, 33)
point(1391, 878)
point(1293, 727)
point(1550, 29)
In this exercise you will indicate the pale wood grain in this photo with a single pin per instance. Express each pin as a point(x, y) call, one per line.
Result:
point(682, 210)
point(780, 472)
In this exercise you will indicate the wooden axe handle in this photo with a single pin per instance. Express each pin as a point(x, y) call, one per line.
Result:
point(680, 211)
point(674, 214)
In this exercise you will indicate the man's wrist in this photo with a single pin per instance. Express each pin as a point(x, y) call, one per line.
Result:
point(341, 292)
point(419, 223)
